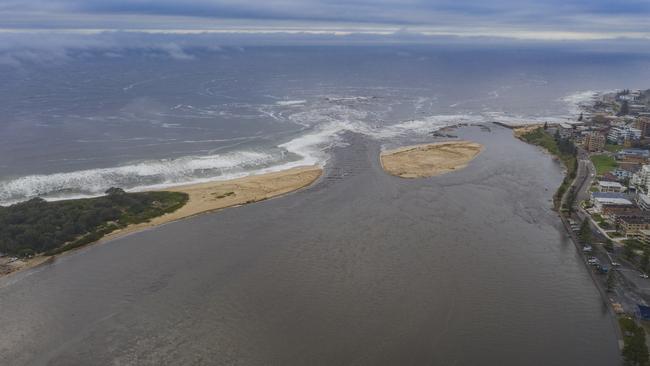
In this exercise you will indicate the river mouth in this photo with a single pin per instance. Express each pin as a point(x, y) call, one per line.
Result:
point(467, 268)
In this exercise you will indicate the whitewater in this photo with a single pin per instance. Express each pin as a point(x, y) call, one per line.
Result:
point(321, 125)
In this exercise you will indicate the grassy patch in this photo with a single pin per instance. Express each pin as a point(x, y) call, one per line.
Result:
point(613, 148)
point(603, 163)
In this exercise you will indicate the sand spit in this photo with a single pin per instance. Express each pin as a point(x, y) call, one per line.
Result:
point(428, 160)
point(206, 197)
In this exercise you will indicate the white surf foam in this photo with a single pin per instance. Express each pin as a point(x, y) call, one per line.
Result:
point(324, 121)
point(290, 102)
point(137, 176)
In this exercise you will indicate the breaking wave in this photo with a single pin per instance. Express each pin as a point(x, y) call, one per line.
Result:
point(137, 176)
point(322, 127)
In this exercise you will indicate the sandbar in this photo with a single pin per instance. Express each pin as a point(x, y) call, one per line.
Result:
point(421, 161)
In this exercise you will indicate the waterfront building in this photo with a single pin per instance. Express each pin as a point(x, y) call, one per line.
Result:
point(609, 198)
point(615, 210)
point(604, 186)
point(621, 134)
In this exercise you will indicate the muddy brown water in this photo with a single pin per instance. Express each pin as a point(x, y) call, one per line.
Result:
point(362, 268)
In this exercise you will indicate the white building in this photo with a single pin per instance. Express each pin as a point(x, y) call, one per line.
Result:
point(610, 186)
point(619, 134)
point(609, 198)
point(641, 179)
point(643, 201)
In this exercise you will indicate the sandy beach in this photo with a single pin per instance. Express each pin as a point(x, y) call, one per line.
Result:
point(207, 197)
point(429, 160)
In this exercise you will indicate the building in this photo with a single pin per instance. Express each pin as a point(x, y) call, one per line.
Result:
point(615, 210)
point(632, 225)
point(643, 201)
point(643, 124)
point(565, 130)
point(609, 198)
point(636, 153)
point(644, 236)
point(621, 134)
point(594, 141)
point(604, 186)
point(620, 174)
point(641, 178)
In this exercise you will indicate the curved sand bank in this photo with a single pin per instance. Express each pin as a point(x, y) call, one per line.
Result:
point(210, 196)
point(428, 160)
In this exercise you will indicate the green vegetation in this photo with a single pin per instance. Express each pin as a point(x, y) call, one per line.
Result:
point(566, 151)
point(585, 232)
point(613, 148)
point(601, 221)
point(631, 247)
point(38, 226)
point(635, 351)
point(611, 281)
point(603, 163)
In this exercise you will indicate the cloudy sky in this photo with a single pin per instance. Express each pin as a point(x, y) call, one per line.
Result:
point(524, 19)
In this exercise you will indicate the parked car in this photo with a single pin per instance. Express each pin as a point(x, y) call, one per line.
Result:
point(643, 275)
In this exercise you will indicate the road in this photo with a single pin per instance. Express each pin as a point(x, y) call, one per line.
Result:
point(629, 289)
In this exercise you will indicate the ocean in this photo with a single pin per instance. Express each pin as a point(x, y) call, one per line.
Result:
point(139, 120)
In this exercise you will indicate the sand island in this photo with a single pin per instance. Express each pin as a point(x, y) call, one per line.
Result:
point(429, 160)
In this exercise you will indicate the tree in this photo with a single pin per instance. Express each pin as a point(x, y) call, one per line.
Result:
point(635, 352)
point(645, 260)
point(545, 126)
point(628, 252)
point(625, 108)
point(585, 231)
point(580, 117)
point(611, 281)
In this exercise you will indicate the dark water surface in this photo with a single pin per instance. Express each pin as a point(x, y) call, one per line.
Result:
point(470, 268)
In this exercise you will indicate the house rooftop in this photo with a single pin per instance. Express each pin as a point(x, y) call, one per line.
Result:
point(610, 184)
point(610, 195)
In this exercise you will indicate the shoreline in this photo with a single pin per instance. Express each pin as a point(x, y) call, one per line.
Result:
point(204, 198)
point(429, 160)
point(519, 133)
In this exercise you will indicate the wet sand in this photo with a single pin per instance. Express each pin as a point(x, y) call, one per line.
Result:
point(430, 159)
point(468, 268)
